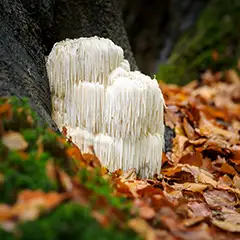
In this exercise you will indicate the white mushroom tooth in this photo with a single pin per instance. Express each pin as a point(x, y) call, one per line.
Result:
point(92, 53)
point(89, 99)
point(144, 153)
point(125, 65)
point(133, 106)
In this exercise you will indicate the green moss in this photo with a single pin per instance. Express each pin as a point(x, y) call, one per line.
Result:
point(69, 221)
point(217, 29)
point(22, 174)
point(27, 170)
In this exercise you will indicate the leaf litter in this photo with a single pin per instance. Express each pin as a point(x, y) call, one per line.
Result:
point(197, 193)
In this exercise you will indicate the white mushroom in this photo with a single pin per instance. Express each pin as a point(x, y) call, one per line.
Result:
point(104, 104)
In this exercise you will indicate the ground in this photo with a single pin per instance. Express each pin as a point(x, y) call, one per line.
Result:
point(50, 190)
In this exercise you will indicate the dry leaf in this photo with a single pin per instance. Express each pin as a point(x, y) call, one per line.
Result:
point(199, 209)
point(219, 198)
point(227, 226)
point(14, 141)
point(143, 228)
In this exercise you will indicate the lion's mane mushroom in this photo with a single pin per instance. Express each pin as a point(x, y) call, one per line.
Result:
point(104, 104)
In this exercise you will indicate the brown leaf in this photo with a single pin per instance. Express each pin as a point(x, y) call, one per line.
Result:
point(230, 215)
point(219, 198)
point(74, 152)
point(226, 168)
point(51, 171)
point(143, 210)
point(5, 212)
point(199, 209)
point(65, 181)
point(6, 110)
point(236, 156)
point(101, 218)
point(31, 203)
point(14, 141)
point(140, 226)
point(207, 128)
point(236, 181)
point(227, 226)
point(193, 221)
point(232, 76)
point(225, 181)
point(187, 173)
point(201, 232)
point(194, 187)
point(91, 160)
point(179, 145)
point(164, 158)
point(189, 130)
point(198, 141)
point(193, 158)
point(201, 176)
point(129, 175)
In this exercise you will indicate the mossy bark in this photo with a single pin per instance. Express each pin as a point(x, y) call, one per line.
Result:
point(217, 30)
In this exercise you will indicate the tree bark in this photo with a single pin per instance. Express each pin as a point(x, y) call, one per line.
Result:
point(28, 30)
point(22, 64)
point(86, 18)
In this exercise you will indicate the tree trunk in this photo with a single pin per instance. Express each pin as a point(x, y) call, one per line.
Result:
point(22, 64)
point(28, 31)
point(86, 18)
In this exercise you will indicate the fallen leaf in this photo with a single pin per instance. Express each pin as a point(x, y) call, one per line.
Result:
point(5, 212)
point(30, 204)
point(193, 221)
point(193, 158)
point(219, 198)
point(194, 187)
point(199, 209)
point(236, 181)
point(101, 218)
point(201, 232)
point(227, 226)
point(208, 128)
point(14, 141)
point(65, 181)
point(189, 130)
point(140, 226)
point(232, 76)
point(143, 210)
point(129, 175)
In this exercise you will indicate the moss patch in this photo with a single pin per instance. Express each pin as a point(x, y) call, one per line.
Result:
point(69, 221)
point(217, 30)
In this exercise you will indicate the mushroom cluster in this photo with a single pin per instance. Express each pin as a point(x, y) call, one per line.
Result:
point(103, 103)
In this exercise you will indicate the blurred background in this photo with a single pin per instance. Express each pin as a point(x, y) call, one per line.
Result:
point(179, 39)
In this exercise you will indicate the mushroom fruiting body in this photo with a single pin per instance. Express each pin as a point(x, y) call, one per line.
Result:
point(104, 104)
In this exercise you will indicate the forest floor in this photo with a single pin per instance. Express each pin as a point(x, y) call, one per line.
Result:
point(197, 195)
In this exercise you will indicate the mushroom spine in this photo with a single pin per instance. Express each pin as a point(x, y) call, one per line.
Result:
point(103, 103)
